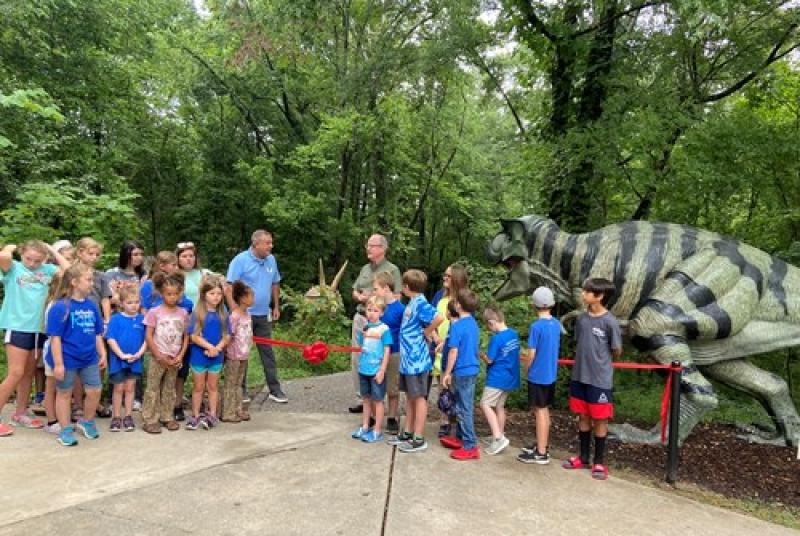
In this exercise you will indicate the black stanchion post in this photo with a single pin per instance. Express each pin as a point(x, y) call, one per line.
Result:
point(674, 418)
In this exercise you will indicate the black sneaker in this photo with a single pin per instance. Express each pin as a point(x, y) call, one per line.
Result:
point(392, 426)
point(400, 438)
point(534, 457)
point(116, 425)
point(358, 408)
point(417, 444)
point(179, 415)
point(279, 397)
point(531, 449)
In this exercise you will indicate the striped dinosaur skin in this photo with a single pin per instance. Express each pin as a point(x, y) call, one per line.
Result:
point(682, 293)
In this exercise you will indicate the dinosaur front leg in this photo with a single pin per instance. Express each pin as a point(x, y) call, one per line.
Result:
point(697, 394)
point(769, 389)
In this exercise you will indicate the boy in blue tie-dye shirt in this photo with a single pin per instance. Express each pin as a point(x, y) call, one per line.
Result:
point(420, 321)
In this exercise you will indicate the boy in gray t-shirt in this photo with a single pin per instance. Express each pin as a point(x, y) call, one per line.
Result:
point(598, 339)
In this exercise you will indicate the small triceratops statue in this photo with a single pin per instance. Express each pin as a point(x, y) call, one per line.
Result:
point(326, 298)
point(683, 294)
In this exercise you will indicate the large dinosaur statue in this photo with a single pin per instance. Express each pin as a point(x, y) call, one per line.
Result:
point(682, 294)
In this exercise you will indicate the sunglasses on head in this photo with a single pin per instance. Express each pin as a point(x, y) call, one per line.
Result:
point(182, 245)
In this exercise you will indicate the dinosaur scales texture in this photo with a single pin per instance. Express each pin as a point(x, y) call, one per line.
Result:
point(683, 294)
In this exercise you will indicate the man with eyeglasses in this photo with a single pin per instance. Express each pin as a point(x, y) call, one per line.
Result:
point(258, 269)
point(376, 247)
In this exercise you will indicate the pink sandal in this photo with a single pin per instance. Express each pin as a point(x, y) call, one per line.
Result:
point(574, 463)
point(599, 471)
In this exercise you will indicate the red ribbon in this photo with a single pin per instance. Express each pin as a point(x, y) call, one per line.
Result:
point(665, 396)
point(315, 353)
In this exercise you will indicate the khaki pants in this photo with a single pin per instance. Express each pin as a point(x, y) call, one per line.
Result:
point(232, 388)
point(159, 394)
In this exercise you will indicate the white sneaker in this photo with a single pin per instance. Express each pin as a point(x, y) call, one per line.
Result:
point(497, 446)
point(137, 406)
point(54, 428)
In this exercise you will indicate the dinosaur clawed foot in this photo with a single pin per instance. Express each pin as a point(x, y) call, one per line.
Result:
point(757, 433)
point(627, 433)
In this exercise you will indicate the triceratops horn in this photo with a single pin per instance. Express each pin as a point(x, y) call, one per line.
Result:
point(321, 274)
point(338, 277)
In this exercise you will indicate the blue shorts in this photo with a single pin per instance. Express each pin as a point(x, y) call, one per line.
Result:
point(24, 340)
point(123, 375)
point(371, 389)
point(202, 368)
point(89, 375)
point(201, 364)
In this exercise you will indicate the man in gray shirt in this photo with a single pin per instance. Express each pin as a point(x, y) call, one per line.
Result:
point(377, 245)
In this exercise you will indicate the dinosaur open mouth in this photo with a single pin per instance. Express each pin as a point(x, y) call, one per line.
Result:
point(510, 264)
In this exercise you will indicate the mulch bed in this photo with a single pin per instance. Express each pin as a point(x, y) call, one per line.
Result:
point(712, 458)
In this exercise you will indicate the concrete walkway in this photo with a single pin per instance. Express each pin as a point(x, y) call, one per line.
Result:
point(286, 473)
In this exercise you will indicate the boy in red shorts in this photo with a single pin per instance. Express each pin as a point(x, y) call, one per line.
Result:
point(598, 338)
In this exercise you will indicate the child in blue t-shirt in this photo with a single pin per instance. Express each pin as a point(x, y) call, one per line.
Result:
point(420, 321)
point(210, 334)
point(75, 328)
point(544, 340)
point(375, 342)
point(446, 419)
point(461, 373)
point(502, 376)
point(126, 339)
point(383, 287)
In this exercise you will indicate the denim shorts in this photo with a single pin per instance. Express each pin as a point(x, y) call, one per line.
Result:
point(122, 375)
point(24, 340)
point(371, 389)
point(89, 375)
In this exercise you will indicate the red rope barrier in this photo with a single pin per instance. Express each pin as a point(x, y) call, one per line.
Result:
point(641, 366)
point(315, 353)
point(291, 344)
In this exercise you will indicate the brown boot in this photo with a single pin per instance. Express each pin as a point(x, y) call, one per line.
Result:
point(172, 425)
point(152, 427)
point(244, 415)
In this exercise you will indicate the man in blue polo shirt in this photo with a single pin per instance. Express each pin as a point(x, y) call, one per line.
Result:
point(257, 268)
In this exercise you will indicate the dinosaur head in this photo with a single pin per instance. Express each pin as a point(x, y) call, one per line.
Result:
point(513, 247)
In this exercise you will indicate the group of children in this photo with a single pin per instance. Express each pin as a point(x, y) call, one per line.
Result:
point(85, 323)
point(598, 339)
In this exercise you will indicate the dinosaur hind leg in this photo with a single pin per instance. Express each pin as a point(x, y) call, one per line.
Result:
point(769, 389)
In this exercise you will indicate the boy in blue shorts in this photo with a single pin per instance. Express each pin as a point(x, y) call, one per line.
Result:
point(544, 340)
point(598, 338)
point(420, 321)
point(461, 373)
point(375, 342)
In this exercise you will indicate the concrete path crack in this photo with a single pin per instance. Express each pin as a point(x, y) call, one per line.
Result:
point(388, 492)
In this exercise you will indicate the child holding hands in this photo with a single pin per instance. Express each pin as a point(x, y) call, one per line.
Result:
point(126, 339)
point(237, 352)
point(208, 329)
point(375, 342)
point(167, 341)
